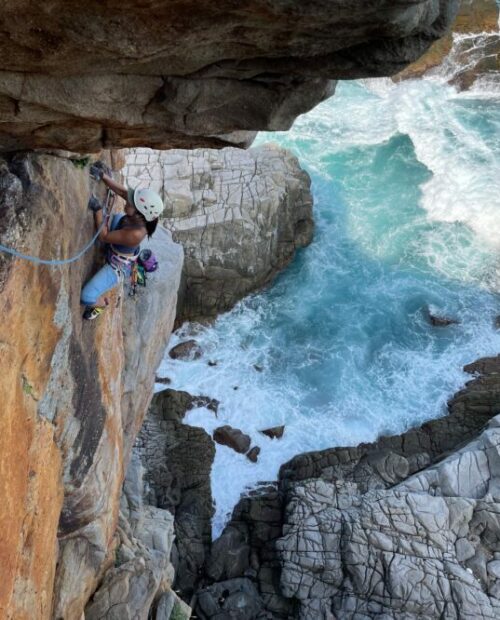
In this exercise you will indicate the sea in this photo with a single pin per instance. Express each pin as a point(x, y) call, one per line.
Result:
point(339, 349)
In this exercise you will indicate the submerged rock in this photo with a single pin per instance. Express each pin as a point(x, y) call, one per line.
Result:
point(233, 438)
point(441, 321)
point(239, 215)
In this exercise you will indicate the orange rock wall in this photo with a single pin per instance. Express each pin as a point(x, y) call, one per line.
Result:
point(62, 436)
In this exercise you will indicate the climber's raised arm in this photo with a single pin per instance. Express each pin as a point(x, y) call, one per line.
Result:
point(115, 187)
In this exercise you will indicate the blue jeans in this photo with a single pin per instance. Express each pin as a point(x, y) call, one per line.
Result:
point(102, 282)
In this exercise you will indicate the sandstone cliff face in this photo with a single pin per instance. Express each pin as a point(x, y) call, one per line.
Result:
point(239, 215)
point(73, 393)
point(181, 74)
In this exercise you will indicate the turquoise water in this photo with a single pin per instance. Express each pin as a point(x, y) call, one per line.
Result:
point(406, 185)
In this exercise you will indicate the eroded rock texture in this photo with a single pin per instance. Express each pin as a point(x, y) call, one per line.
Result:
point(467, 57)
point(73, 393)
point(240, 216)
point(185, 73)
point(177, 460)
point(406, 527)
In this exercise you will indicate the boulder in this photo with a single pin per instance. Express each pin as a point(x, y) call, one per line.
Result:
point(163, 380)
point(233, 438)
point(237, 599)
point(253, 454)
point(189, 350)
point(274, 432)
point(174, 404)
point(239, 215)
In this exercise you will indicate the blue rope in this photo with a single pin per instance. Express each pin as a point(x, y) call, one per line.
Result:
point(65, 261)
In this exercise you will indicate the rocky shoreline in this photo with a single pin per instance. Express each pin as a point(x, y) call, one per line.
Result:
point(312, 545)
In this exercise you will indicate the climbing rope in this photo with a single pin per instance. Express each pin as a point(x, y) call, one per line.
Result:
point(65, 261)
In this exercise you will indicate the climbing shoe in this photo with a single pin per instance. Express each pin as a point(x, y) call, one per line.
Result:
point(92, 313)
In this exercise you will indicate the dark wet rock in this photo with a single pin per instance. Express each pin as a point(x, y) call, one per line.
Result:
point(274, 432)
point(177, 460)
point(484, 366)
point(253, 454)
point(212, 363)
point(229, 555)
point(233, 438)
point(441, 321)
point(258, 368)
point(176, 403)
point(189, 350)
point(163, 380)
point(235, 599)
point(497, 322)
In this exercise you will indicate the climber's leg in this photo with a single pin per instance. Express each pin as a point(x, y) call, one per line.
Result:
point(93, 292)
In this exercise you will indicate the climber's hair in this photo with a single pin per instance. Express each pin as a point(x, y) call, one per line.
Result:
point(151, 226)
point(138, 219)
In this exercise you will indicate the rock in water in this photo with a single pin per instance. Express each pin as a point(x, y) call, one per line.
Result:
point(253, 454)
point(476, 54)
point(275, 432)
point(189, 350)
point(233, 438)
point(239, 215)
point(441, 321)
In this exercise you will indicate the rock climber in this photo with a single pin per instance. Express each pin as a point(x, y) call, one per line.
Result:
point(123, 235)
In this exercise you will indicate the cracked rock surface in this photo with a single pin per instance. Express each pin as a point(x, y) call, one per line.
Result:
point(187, 74)
point(177, 459)
point(407, 527)
point(239, 215)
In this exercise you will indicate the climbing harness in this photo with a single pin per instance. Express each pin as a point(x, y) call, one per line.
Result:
point(108, 207)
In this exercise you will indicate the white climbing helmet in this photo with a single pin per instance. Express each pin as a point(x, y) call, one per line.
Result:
point(148, 203)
